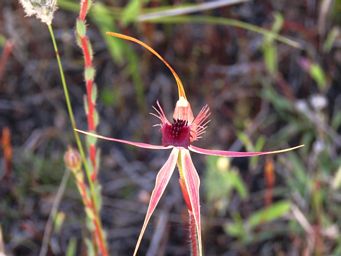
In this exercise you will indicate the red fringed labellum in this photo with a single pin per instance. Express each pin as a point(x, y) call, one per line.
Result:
point(176, 134)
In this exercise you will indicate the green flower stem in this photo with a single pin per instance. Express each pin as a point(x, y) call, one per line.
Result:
point(72, 118)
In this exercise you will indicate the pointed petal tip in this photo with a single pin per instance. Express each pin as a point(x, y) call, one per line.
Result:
point(286, 149)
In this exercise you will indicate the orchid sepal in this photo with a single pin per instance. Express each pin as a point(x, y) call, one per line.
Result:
point(131, 143)
point(223, 153)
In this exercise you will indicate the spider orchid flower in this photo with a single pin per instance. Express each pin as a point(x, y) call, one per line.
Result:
point(178, 135)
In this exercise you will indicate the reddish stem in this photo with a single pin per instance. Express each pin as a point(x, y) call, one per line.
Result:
point(6, 146)
point(193, 235)
point(5, 56)
point(84, 9)
point(86, 51)
point(91, 123)
point(270, 179)
point(100, 238)
point(191, 220)
point(88, 203)
point(88, 64)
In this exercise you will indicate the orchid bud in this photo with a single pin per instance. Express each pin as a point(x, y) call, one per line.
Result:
point(72, 160)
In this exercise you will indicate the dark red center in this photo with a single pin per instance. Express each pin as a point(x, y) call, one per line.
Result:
point(176, 134)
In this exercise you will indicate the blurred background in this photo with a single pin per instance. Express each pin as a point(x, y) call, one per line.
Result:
point(269, 71)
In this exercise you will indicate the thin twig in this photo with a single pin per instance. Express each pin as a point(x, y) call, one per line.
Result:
point(2, 246)
point(158, 234)
point(8, 48)
point(53, 213)
point(325, 7)
point(189, 9)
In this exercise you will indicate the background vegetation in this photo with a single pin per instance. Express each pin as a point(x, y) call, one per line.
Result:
point(264, 91)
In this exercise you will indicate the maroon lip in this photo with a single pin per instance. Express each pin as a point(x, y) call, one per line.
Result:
point(176, 134)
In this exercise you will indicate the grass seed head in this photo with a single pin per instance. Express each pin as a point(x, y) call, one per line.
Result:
point(42, 9)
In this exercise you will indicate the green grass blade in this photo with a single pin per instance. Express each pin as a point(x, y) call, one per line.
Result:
point(226, 22)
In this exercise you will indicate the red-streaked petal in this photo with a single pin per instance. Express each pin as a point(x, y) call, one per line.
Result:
point(236, 153)
point(132, 143)
point(162, 180)
point(160, 114)
point(192, 182)
point(200, 123)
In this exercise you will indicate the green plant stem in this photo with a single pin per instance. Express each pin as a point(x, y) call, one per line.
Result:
point(53, 213)
point(72, 118)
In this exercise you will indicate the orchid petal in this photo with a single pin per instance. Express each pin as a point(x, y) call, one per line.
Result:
point(200, 123)
point(132, 143)
point(192, 182)
point(160, 114)
point(161, 182)
point(236, 153)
